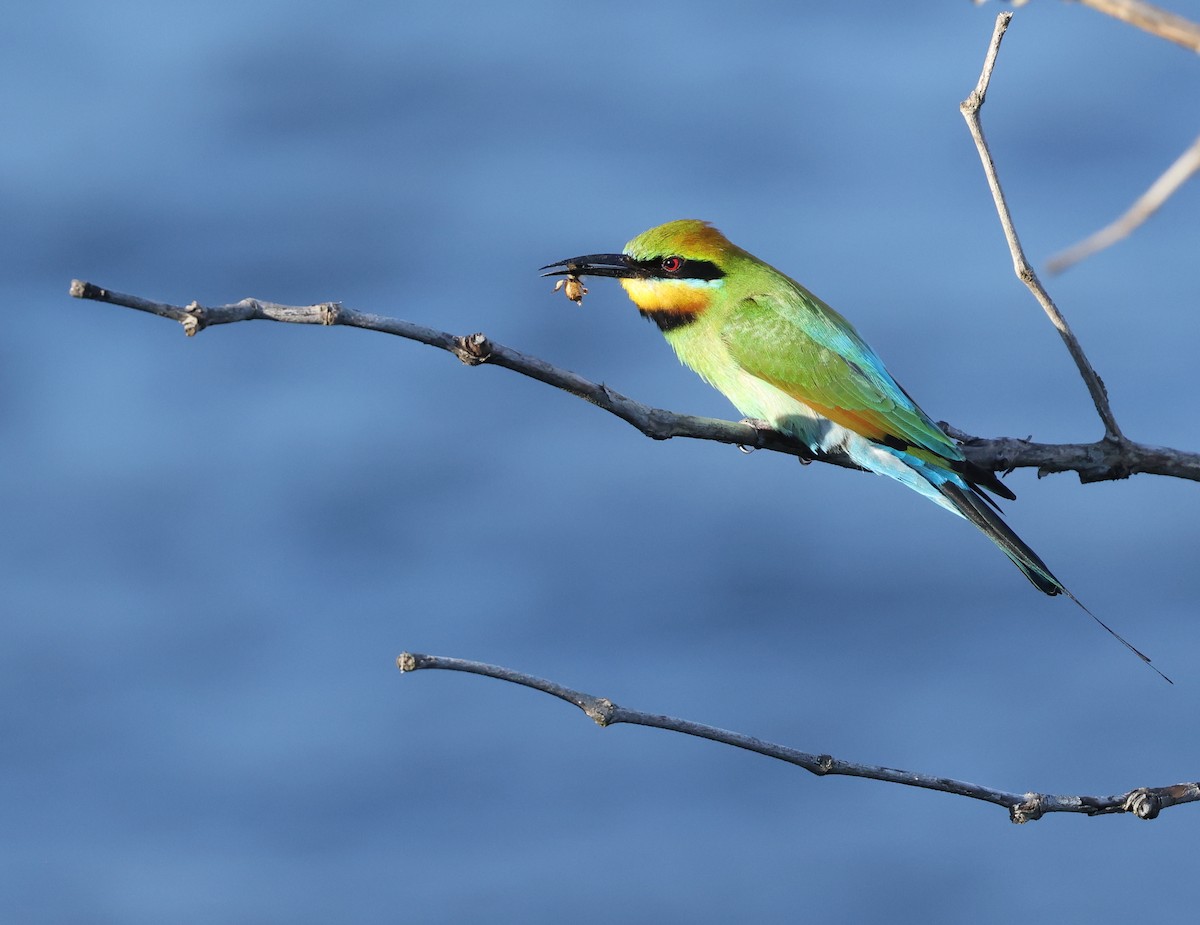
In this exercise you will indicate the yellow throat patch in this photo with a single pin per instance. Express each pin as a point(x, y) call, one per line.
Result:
point(672, 296)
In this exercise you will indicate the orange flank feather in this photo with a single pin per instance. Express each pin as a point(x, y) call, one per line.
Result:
point(863, 423)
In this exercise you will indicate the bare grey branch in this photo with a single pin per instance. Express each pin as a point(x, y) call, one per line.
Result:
point(1143, 802)
point(1152, 19)
point(1146, 205)
point(1103, 460)
point(1145, 16)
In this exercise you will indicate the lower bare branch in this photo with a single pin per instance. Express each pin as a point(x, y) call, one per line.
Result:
point(1144, 802)
point(1147, 204)
point(1093, 461)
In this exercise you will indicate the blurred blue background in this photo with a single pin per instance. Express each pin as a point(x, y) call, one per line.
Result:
point(214, 548)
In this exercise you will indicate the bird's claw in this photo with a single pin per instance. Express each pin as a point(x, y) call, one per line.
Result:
point(760, 426)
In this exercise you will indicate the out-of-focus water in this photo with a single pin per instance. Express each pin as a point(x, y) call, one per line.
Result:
point(214, 548)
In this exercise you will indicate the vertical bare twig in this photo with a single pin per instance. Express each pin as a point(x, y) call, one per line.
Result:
point(970, 109)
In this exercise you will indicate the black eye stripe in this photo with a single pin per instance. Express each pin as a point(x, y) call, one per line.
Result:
point(691, 269)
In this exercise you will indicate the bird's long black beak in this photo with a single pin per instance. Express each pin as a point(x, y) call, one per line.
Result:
point(620, 266)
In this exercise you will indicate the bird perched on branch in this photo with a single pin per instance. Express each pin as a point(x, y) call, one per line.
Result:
point(782, 355)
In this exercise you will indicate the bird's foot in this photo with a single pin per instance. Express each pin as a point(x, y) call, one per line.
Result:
point(761, 427)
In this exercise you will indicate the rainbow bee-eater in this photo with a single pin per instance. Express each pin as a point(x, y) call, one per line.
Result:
point(783, 356)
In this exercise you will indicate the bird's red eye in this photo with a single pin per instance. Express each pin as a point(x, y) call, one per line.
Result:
point(672, 264)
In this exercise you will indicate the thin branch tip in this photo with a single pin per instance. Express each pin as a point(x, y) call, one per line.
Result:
point(85, 290)
point(975, 99)
point(1021, 265)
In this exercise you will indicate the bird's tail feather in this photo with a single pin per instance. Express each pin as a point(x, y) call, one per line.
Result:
point(976, 509)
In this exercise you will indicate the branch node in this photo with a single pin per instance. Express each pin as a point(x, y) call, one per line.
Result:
point(1143, 803)
point(1120, 466)
point(194, 321)
point(824, 765)
point(600, 709)
point(472, 349)
point(1028, 811)
point(329, 312)
point(658, 424)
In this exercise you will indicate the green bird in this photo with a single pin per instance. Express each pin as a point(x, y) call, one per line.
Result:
point(783, 356)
